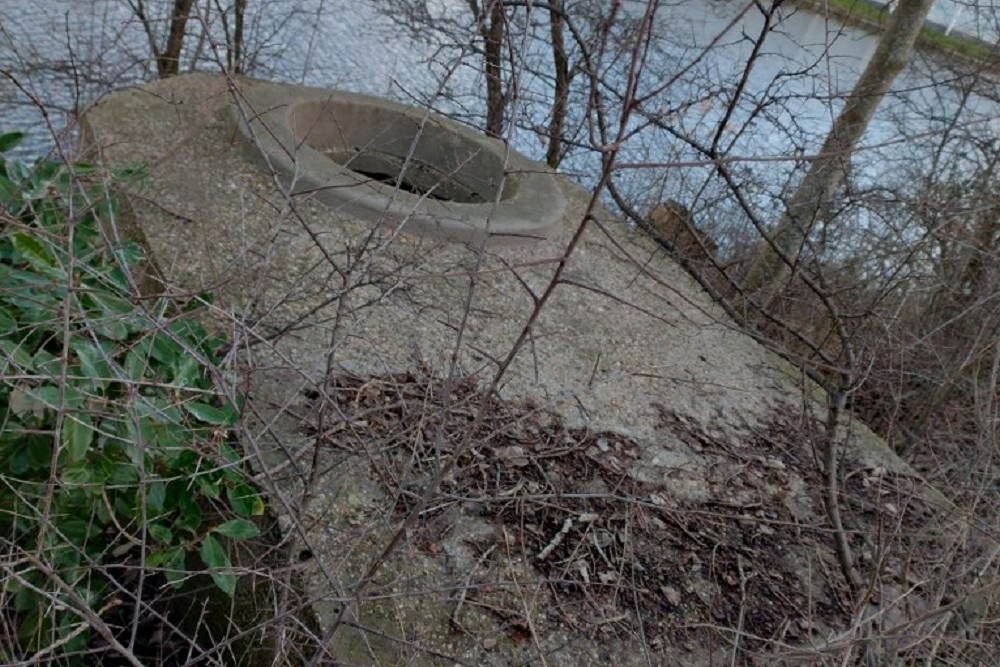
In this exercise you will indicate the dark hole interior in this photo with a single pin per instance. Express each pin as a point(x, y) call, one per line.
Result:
point(404, 184)
point(425, 158)
point(420, 178)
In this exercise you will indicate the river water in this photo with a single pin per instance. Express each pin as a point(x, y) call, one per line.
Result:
point(58, 55)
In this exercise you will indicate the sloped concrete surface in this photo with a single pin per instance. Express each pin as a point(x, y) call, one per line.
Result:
point(610, 346)
point(627, 339)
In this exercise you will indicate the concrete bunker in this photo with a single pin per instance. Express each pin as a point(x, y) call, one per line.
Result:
point(206, 215)
point(394, 164)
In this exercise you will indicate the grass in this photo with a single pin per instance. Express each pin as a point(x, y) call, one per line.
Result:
point(865, 13)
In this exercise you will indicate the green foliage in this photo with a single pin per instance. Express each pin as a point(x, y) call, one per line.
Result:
point(867, 12)
point(113, 436)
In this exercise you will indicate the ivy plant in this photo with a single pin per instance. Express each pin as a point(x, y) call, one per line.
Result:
point(115, 441)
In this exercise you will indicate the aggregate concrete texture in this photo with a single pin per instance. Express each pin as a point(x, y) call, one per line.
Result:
point(627, 331)
point(626, 335)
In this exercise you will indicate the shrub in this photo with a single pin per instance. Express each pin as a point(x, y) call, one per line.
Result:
point(115, 441)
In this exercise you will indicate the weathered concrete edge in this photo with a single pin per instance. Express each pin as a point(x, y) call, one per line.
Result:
point(536, 207)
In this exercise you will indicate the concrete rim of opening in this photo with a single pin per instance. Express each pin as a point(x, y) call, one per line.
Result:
point(348, 150)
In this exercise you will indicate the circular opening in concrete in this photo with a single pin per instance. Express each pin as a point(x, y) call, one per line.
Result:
point(398, 165)
point(418, 156)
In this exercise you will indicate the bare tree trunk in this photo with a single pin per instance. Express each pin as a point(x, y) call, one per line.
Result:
point(239, 9)
point(139, 9)
point(492, 20)
point(494, 35)
point(827, 170)
point(561, 65)
point(168, 61)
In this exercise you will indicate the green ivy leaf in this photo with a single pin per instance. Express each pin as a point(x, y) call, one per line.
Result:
point(113, 328)
point(129, 254)
point(31, 250)
point(9, 140)
point(245, 500)
point(215, 559)
point(207, 414)
point(156, 494)
point(7, 321)
point(10, 193)
point(93, 362)
point(187, 372)
point(80, 474)
point(53, 397)
point(19, 461)
point(14, 352)
point(228, 453)
point(112, 433)
point(164, 349)
point(46, 362)
point(209, 486)
point(160, 533)
point(238, 529)
point(226, 581)
point(33, 625)
point(171, 561)
point(159, 410)
point(49, 170)
point(118, 472)
point(77, 434)
point(230, 412)
point(48, 395)
point(18, 171)
point(190, 518)
point(76, 530)
point(22, 403)
point(135, 361)
point(39, 451)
